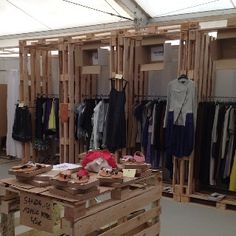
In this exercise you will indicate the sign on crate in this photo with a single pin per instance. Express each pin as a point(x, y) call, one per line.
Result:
point(36, 212)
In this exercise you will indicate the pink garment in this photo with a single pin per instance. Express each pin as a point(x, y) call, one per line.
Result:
point(104, 154)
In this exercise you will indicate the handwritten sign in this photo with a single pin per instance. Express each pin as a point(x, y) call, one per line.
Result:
point(36, 212)
point(129, 172)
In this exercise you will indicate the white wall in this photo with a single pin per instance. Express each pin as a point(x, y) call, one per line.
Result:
point(158, 80)
point(225, 83)
point(7, 64)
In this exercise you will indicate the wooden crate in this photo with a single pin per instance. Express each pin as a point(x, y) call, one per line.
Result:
point(227, 203)
point(182, 178)
point(134, 212)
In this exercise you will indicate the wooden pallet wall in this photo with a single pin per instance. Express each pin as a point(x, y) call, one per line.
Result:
point(67, 97)
point(195, 61)
point(35, 79)
point(195, 58)
point(126, 57)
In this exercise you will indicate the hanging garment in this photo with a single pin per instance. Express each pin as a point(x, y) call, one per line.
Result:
point(22, 127)
point(140, 115)
point(39, 117)
point(179, 117)
point(47, 110)
point(46, 121)
point(133, 131)
point(13, 147)
point(218, 160)
point(104, 131)
point(230, 144)
point(207, 126)
point(181, 100)
point(79, 130)
point(225, 136)
point(232, 184)
point(213, 143)
point(159, 133)
point(116, 123)
point(64, 112)
point(52, 118)
point(205, 119)
point(99, 122)
point(146, 134)
point(85, 120)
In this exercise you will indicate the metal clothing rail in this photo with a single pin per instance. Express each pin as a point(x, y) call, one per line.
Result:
point(150, 96)
point(95, 96)
point(48, 95)
point(221, 99)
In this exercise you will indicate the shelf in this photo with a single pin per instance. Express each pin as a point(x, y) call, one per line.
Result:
point(91, 70)
point(225, 64)
point(152, 66)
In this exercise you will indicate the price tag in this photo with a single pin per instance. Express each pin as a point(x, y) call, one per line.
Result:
point(118, 76)
point(129, 173)
point(21, 104)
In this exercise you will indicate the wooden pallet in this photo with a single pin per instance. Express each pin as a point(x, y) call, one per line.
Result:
point(228, 203)
point(167, 190)
point(182, 177)
point(120, 221)
point(103, 215)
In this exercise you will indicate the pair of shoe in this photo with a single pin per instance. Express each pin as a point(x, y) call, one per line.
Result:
point(113, 173)
point(138, 157)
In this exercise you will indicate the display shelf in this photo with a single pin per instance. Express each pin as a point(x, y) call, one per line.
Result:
point(96, 214)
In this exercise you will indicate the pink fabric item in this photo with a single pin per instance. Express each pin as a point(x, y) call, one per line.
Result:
point(139, 157)
point(127, 158)
point(82, 173)
point(106, 155)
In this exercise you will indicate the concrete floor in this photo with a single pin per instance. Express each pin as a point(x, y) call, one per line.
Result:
point(177, 219)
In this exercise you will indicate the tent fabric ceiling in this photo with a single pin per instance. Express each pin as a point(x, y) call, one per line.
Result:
point(24, 16)
point(170, 7)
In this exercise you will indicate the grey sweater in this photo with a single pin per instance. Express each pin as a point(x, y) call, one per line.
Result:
point(181, 99)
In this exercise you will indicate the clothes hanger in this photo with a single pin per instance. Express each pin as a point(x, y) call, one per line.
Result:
point(119, 79)
point(183, 76)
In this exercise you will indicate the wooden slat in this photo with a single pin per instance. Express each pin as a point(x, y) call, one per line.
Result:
point(226, 34)
point(133, 223)
point(71, 102)
point(151, 231)
point(231, 22)
point(7, 224)
point(91, 70)
point(49, 73)
point(206, 65)
point(153, 41)
point(225, 64)
point(37, 72)
point(44, 72)
point(152, 66)
point(89, 224)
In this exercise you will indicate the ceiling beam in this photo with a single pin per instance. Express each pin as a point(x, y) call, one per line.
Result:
point(133, 9)
point(196, 16)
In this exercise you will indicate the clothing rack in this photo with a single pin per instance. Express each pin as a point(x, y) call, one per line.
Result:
point(222, 98)
point(95, 96)
point(25, 105)
point(48, 94)
point(150, 96)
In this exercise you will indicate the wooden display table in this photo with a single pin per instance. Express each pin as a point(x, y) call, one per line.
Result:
point(131, 208)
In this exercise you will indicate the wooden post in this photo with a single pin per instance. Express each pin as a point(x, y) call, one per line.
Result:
point(7, 224)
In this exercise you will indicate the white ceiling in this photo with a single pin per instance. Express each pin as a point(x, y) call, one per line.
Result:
point(24, 16)
point(174, 7)
point(39, 15)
